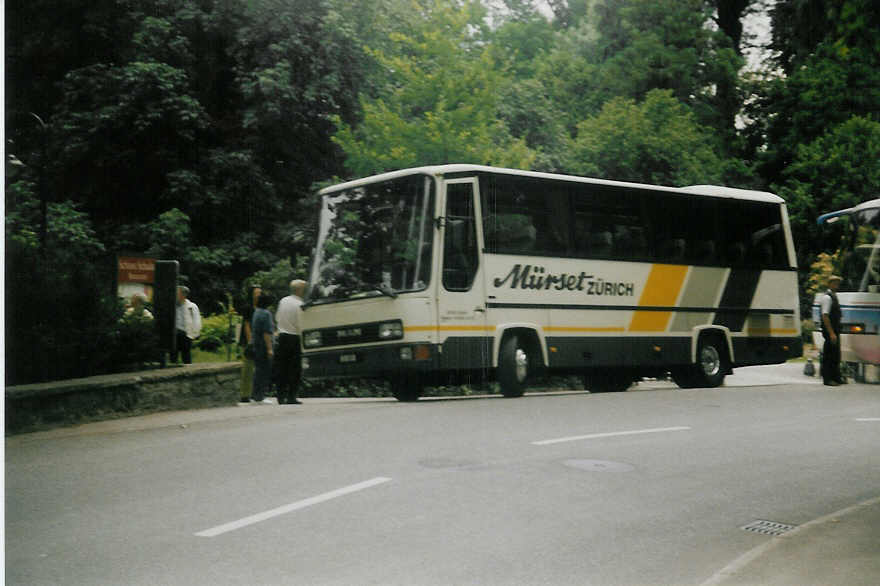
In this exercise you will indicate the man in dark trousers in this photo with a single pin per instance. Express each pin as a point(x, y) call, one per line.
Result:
point(830, 308)
point(288, 367)
point(262, 330)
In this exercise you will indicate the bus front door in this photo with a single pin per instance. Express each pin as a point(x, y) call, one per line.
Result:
point(461, 304)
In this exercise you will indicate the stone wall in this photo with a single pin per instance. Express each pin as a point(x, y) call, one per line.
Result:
point(45, 405)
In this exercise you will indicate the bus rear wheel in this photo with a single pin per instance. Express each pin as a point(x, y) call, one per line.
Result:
point(711, 367)
point(513, 367)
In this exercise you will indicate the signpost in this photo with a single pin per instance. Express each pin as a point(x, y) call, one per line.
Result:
point(165, 304)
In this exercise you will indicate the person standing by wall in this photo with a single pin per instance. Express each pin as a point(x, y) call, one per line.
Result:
point(188, 321)
point(831, 314)
point(262, 329)
point(246, 341)
point(288, 360)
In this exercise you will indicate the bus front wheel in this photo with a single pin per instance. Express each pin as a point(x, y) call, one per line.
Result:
point(513, 367)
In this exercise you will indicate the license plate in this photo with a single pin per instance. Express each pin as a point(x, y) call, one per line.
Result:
point(347, 358)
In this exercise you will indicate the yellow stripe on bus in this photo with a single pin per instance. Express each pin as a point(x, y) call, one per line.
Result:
point(770, 331)
point(661, 290)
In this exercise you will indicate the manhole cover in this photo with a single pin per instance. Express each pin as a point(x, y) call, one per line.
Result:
point(768, 527)
point(598, 465)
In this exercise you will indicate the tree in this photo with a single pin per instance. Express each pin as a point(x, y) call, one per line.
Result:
point(61, 313)
point(833, 74)
point(626, 48)
point(840, 169)
point(656, 141)
point(439, 104)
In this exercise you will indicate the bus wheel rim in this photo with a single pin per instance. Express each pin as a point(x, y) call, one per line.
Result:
point(710, 360)
point(522, 365)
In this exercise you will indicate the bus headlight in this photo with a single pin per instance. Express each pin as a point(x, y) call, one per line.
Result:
point(392, 330)
point(312, 339)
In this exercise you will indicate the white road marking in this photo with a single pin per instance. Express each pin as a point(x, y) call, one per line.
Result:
point(575, 438)
point(265, 515)
point(739, 564)
point(868, 419)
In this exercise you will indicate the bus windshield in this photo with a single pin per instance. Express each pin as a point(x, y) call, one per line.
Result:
point(861, 264)
point(374, 240)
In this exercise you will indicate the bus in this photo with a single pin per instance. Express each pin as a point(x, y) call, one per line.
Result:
point(463, 272)
point(859, 294)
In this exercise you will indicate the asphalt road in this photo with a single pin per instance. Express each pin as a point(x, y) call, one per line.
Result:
point(653, 486)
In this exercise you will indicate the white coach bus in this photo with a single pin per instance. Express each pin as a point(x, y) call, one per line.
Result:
point(859, 294)
point(459, 271)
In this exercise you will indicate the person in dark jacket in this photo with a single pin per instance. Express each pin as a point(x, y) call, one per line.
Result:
point(830, 308)
point(262, 330)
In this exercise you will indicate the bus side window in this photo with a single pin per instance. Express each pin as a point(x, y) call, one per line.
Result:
point(460, 255)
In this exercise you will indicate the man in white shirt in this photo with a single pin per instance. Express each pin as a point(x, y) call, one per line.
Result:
point(188, 322)
point(831, 314)
point(288, 354)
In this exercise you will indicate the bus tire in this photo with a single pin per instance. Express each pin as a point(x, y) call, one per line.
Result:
point(607, 381)
point(513, 367)
point(711, 367)
point(712, 361)
point(406, 388)
point(684, 377)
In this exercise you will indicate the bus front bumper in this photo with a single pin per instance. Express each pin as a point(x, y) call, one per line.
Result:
point(370, 361)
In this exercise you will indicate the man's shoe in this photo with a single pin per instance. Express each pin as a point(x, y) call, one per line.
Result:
point(832, 383)
point(295, 402)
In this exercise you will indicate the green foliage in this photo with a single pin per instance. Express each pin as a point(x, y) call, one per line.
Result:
point(439, 105)
point(833, 65)
point(276, 280)
point(196, 130)
point(218, 330)
point(626, 49)
point(136, 343)
point(657, 141)
point(61, 319)
point(821, 270)
point(838, 170)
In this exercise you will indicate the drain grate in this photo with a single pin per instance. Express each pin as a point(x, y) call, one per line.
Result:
point(768, 527)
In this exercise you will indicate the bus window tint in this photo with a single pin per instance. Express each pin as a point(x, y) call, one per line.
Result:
point(549, 218)
point(608, 223)
point(460, 254)
point(685, 229)
point(522, 216)
point(753, 234)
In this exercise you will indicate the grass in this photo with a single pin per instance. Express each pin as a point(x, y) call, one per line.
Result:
point(202, 356)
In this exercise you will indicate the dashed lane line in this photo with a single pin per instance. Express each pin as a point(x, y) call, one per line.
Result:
point(575, 438)
point(266, 515)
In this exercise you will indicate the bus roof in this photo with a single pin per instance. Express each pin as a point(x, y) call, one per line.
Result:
point(439, 170)
point(867, 205)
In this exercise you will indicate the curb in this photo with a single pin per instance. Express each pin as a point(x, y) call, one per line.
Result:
point(736, 567)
